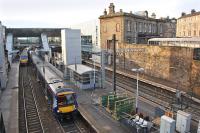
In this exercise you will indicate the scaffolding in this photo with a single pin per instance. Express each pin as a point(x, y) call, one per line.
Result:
point(118, 104)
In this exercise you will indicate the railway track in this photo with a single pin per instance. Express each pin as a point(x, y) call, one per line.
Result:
point(34, 115)
point(156, 95)
point(50, 123)
point(75, 124)
point(30, 114)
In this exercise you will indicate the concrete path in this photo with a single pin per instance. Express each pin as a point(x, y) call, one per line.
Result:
point(9, 100)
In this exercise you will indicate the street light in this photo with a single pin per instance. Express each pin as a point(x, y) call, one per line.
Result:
point(137, 71)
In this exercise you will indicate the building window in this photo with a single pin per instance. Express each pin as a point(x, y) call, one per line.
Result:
point(145, 27)
point(189, 33)
point(129, 25)
point(117, 27)
point(128, 40)
point(109, 45)
point(196, 54)
point(194, 32)
point(161, 28)
point(150, 28)
point(140, 27)
point(183, 33)
point(104, 28)
point(136, 28)
point(183, 27)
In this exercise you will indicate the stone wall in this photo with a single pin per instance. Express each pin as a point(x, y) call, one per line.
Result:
point(195, 77)
point(174, 64)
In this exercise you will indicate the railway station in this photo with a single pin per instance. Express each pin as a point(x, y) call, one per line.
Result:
point(51, 83)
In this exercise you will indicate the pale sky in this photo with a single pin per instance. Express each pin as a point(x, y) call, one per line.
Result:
point(63, 13)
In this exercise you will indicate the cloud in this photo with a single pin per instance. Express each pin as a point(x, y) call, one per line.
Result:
point(69, 12)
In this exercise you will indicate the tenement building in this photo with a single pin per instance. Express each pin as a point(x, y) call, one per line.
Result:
point(133, 27)
point(188, 25)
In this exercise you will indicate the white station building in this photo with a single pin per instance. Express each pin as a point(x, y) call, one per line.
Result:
point(81, 75)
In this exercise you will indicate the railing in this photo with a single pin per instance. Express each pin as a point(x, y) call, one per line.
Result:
point(2, 126)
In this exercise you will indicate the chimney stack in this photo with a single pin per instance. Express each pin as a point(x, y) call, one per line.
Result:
point(183, 14)
point(111, 8)
point(153, 15)
point(193, 11)
point(105, 12)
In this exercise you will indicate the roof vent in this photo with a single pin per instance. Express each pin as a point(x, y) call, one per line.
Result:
point(105, 12)
point(193, 11)
point(153, 15)
point(111, 8)
point(183, 14)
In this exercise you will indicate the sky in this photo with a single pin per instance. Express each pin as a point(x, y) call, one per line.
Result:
point(64, 13)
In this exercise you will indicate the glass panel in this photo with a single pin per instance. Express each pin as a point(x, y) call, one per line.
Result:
point(65, 100)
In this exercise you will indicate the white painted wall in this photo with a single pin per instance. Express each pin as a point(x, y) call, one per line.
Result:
point(3, 72)
point(71, 46)
point(45, 41)
point(89, 28)
point(9, 46)
point(167, 125)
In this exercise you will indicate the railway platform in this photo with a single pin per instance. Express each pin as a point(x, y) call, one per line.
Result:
point(100, 120)
point(9, 100)
point(97, 116)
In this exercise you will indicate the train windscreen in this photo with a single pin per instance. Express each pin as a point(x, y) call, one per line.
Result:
point(23, 57)
point(65, 100)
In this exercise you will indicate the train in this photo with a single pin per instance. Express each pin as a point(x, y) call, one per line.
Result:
point(24, 57)
point(61, 97)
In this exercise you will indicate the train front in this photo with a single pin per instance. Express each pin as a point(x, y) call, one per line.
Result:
point(66, 103)
point(23, 60)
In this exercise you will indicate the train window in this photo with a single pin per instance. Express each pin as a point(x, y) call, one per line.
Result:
point(57, 81)
point(64, 100)
point(23, 57)
point(196, 54)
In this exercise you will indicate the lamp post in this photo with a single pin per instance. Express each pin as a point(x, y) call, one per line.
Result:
point(137, 92)
point(94, 72)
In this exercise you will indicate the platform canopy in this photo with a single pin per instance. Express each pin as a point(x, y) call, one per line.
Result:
point(80, 69)
point(192, 42)
point(34, 32)
point(186, 39)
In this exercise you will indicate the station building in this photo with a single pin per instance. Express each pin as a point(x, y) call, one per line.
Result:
point(133, 27)
point(83, 76)
point(188, 25)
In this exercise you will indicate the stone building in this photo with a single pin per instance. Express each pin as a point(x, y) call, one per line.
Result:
point(188, 25)
point(133, 28)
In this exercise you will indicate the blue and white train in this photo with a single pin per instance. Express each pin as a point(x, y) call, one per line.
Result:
point(61, 95)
